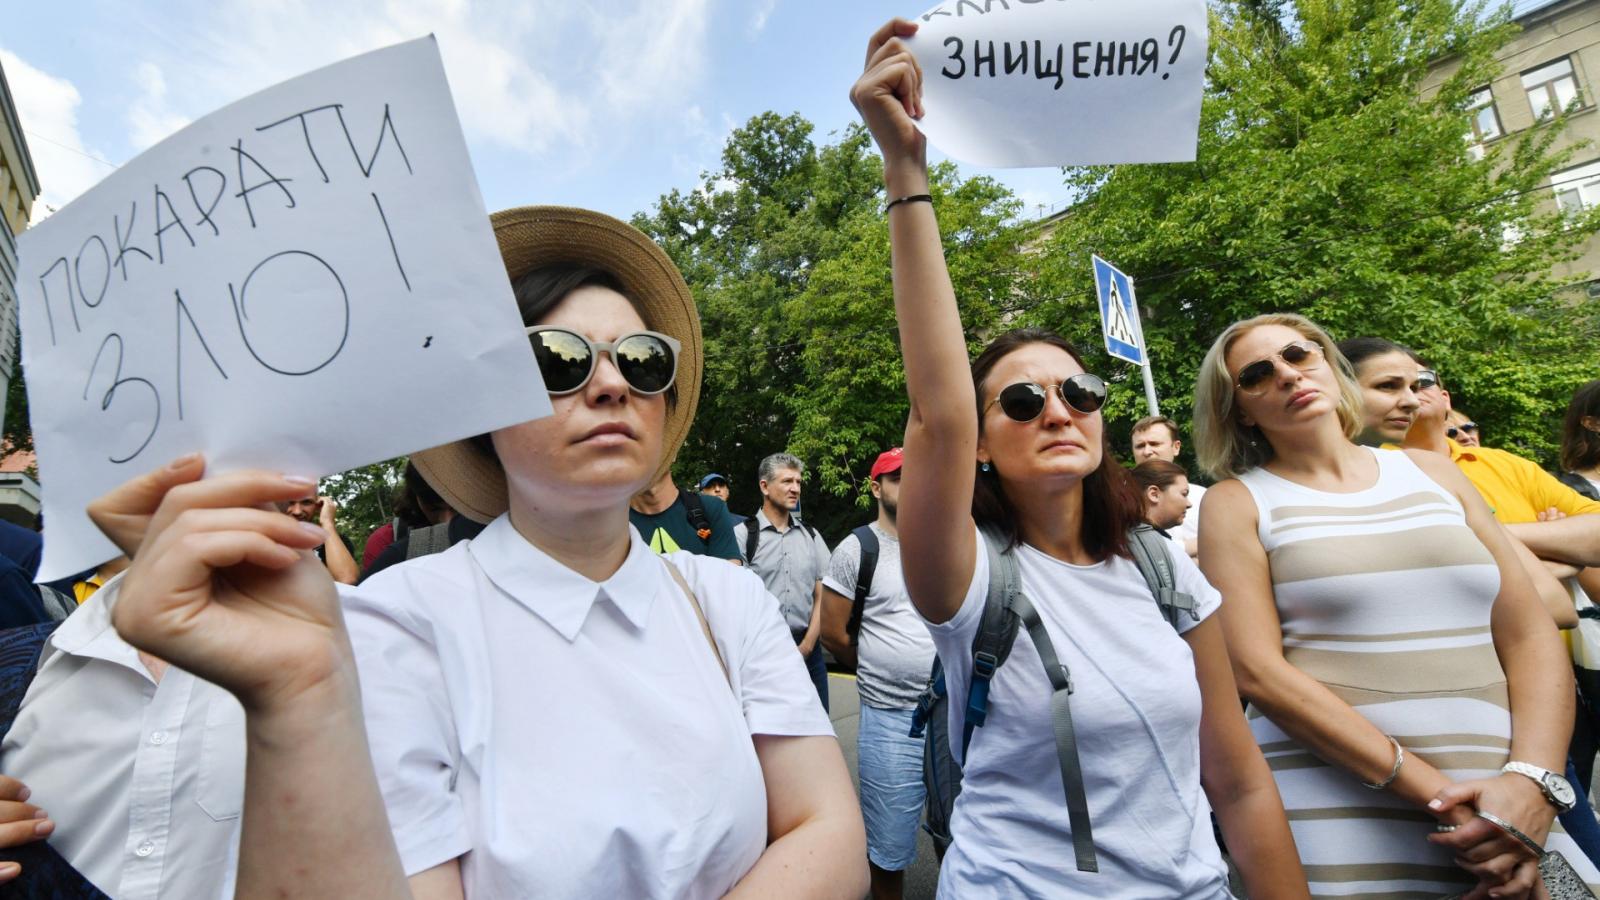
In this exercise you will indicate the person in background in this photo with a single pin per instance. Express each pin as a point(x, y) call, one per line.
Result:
point(1163, 493)
point(1156, 437)
point(1460, 428)
point(791, 558)
point(1580, 441)
point(1390, 385)
point(670, 520)
point(416, 505)
point(1383, 629)
point(715, 485)
point(889, 647)
point(1014, 441)
point(335, 551)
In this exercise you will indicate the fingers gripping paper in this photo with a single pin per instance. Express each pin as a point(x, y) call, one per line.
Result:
point(1062, 82)
point(305, 280)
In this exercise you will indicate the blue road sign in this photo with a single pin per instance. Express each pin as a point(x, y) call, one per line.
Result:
point(1119, 313)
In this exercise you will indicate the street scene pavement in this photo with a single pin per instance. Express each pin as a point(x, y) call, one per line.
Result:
point(844, 706)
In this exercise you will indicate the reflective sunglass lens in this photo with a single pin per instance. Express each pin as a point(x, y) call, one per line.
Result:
point(564, 360)
point(1023, 401)
point(1469, 427)
point(1295, 354)
point(1084, 393)
point(646, 363)
point(1251, 376)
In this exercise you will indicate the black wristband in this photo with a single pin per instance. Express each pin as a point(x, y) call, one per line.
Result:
point(913, 198)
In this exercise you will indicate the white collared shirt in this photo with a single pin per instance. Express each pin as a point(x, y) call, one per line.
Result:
point(571, 738)
point(145, 781)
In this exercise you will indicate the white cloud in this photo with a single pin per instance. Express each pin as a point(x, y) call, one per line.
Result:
point(760, 12)
point(150, 118)
point(48, 109)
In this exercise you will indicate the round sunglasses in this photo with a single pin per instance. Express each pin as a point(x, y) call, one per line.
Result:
point(1254, 378)
point(1025, 400)
point(647, 360)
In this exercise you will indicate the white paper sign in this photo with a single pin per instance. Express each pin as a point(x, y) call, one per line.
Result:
point(305, 280)
point(1011, 83)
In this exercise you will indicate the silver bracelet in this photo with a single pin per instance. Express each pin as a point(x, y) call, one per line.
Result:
point(1508, 828)
point(1399, 759)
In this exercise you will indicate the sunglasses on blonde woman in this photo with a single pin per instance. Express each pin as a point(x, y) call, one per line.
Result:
point(1255, 377)
point(1025, 400)
point(647, 360)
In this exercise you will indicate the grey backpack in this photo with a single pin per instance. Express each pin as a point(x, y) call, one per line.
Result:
point(1006, 610)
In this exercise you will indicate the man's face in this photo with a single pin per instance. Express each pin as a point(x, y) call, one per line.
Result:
point(306, 509)
point(1155, 442)
point(717, 489)
point(887, 490)
point(783, 490)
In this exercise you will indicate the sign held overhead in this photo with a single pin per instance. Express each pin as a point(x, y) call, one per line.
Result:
point(1013, 83)
point(261, 285)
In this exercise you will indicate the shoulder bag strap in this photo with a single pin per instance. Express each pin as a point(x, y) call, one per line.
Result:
point(1152, 553)
point(752, 538)
point(705, 626)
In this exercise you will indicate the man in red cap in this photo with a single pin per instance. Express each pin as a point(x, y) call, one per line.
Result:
point(868, 622)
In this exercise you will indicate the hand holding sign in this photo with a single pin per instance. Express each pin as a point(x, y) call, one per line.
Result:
point(1053, 83)
point(304, 281)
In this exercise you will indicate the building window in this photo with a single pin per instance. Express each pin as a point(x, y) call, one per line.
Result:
point(1577, 189)
point(1485, 118)
point(1552, 88)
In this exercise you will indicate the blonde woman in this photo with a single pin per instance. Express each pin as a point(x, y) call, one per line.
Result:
point(1390, 645)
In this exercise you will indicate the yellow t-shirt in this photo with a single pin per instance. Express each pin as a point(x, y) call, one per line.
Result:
point(83, 590)
point(1516, 489)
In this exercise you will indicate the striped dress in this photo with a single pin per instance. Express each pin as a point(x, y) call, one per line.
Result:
point(1384, 597)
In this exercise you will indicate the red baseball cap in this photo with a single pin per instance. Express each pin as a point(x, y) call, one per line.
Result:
point(888, 461)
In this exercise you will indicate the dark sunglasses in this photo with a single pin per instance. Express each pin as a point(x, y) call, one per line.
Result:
point(1463, 428)
point(1025, 400)
point(647, 360)
point(1302, 355)
point(1426, 378)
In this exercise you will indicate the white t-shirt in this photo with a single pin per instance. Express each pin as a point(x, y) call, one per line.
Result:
point(1189, 528)
point(568, 738)
point(1136, 710)
point(893, 652)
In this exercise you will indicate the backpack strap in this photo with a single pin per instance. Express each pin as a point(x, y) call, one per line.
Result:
point(997, 631)
point(752, 539)
point(869, 564)
point(1152, 553)
point(428, 541)
point(696, 511)
point(1578, 483)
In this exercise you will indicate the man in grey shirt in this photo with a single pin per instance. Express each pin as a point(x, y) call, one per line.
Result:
point(893, 654)
point(790, 557)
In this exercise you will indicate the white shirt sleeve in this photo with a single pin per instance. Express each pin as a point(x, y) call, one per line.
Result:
point(844, 567)
point(1187, 577)
point(409, 724)
point(775, 691)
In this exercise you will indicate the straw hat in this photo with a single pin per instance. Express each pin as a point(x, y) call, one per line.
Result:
point(532, 237)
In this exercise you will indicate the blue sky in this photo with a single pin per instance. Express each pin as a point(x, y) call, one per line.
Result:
point(599, 103)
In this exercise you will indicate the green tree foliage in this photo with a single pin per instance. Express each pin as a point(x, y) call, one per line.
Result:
point(786, 250)
point(365, 498)
point(1328, 184)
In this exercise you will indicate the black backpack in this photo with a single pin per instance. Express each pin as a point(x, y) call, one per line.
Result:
point(752, 536)
point(1006, 610)
point(869, 564)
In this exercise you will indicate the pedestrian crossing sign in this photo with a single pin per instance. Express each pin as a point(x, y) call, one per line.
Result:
point(1119, 313)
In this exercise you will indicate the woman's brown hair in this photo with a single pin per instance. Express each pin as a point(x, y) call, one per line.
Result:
point(1110, 507)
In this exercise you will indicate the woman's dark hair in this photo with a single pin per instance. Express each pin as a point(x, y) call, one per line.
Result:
point(416, 502)
point(1156, 473)
point(1110, 506)
point(540, 290)
point(1359, 350)
point(1580, 447)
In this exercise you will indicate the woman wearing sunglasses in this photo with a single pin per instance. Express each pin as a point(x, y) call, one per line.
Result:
point(1015, 442)
point(1391, 646)
point(553, 710)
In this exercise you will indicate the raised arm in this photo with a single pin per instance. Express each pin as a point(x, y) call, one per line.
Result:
point(937, 541)
point(229, 591)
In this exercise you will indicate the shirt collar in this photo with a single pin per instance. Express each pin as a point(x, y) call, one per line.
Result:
point(557, 594)
point(88, 631)
point(761, 517)
point(1458, 452)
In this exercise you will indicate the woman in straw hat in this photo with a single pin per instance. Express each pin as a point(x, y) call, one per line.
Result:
point(552, 709)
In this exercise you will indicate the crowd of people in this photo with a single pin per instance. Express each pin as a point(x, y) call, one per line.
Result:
point(558, 673)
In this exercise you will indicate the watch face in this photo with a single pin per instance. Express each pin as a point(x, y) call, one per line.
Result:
point(1561, 790)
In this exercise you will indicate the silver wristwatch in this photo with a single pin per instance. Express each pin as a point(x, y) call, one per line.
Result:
point(1557, 789)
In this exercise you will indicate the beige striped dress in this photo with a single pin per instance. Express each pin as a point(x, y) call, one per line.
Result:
point(1384, 596)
